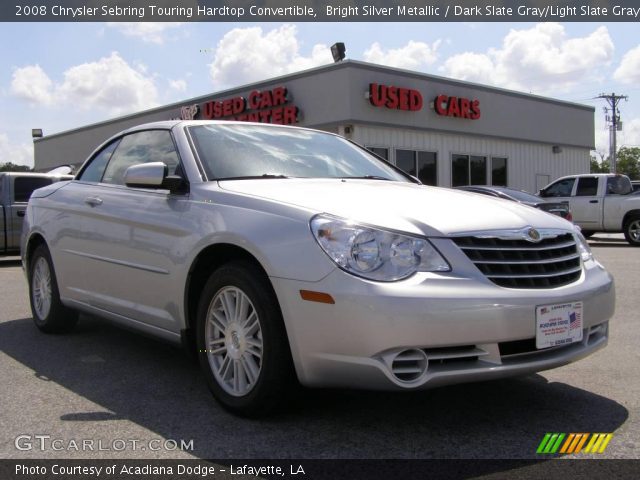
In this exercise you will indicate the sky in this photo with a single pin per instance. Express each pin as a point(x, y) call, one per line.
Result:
point(59, 76)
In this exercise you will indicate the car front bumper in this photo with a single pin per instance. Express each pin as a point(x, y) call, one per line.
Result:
point(458, 328)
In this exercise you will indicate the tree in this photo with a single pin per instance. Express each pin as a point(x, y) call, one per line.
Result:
point(12, 167)
point(599, 167)
point(629, 162)
point(594, 166)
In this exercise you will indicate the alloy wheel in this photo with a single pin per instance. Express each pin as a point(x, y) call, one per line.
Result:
point(233, 339)
point(42, 288)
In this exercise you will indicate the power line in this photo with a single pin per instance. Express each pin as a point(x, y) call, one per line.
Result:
point(614, 124)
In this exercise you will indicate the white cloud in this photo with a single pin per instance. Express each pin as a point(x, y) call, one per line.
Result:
point(180, 85)
point(109, 83)
point(630, 133)
point(245, 55)
point(629, 70)
point(32, 84)
point(540, 59)
point(476, 67)
point(20, 154)
point(150, 32)
point(412, 56)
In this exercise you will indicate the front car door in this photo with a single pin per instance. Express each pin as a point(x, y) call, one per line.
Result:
point(127, 240)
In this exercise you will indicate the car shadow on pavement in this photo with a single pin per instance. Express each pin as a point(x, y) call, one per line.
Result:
point(158, 387)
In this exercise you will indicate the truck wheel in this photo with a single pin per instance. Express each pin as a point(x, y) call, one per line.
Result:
point(242, 343)
point(49, 314)
point(632, 230)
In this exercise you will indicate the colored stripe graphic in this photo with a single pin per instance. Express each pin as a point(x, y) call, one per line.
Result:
point(543, 443)
point(583, 439)
point(598, 443)
point(550, 443)
point(567, 443)
point(574, 443)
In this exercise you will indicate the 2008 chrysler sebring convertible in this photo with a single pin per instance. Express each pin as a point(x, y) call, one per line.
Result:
point(281, 254)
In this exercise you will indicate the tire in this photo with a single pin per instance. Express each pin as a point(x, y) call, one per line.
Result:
point(49, 314)
point(587, 233)
point(244, 354)
point(632, 230)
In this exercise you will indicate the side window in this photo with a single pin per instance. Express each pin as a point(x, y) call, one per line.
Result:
point(619, 185)
point(141, 147)
point(560, 189)
point(23, 187)
point(587, 187)
point(93, 172)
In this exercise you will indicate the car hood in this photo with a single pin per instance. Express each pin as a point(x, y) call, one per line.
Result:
point(397, 205)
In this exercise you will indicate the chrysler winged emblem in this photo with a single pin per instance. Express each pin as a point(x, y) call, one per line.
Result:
point(532, 235)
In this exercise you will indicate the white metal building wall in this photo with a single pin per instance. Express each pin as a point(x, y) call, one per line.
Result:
point(525, 159)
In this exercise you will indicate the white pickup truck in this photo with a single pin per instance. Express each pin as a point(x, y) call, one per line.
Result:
point(599, 203)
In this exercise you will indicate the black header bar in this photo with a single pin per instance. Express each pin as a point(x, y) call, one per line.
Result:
point(320, 11)
point(254, 469)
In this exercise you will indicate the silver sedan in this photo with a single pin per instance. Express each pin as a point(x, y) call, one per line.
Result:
point(283, 255)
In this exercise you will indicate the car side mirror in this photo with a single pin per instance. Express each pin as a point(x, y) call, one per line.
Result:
point(152, 175)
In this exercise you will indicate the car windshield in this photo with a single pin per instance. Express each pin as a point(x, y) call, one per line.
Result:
point(254, 151)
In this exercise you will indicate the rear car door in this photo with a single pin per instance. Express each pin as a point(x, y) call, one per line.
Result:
point(586, 204)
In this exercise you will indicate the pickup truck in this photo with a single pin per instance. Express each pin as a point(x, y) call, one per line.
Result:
point(599, 203)
point(15, 190)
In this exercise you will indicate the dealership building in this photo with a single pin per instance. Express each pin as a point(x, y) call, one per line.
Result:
point(446, 132)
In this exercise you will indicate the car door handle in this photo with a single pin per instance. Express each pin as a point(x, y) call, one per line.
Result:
point(93, 201)
point(20, 213)
point(593, 201)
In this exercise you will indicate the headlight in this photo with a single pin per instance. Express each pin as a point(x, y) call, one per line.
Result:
point(583, 247)
point(373, 253)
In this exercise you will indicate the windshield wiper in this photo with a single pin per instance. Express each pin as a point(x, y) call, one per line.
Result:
point(367, 177)
point(254, 177)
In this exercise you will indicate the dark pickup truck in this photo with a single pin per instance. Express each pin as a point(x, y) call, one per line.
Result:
point(15, 190)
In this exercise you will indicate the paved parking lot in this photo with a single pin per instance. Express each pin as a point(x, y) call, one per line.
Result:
point(105, 384)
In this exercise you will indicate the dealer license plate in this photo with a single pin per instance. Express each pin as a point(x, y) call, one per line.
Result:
point(558, 324)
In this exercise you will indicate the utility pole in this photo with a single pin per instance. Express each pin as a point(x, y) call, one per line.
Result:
point(614, 125)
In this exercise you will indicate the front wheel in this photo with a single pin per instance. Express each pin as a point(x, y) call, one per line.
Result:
point(49, 314)
point(632, 230)
point(242, 343)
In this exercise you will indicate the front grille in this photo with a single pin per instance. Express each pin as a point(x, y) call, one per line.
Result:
point(552, 262)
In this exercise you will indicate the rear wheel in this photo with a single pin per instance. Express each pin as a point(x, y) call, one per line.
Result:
point(632, 230)
point(242, 343)
point(49, 314)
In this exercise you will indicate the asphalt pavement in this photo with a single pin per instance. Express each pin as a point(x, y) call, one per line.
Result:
point(108, 386)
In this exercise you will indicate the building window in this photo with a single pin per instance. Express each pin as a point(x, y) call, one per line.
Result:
point(380, 151)
point(459, 170)
point(478, 170)
point(468, 170)
point(499, 171)
point(420, 164)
